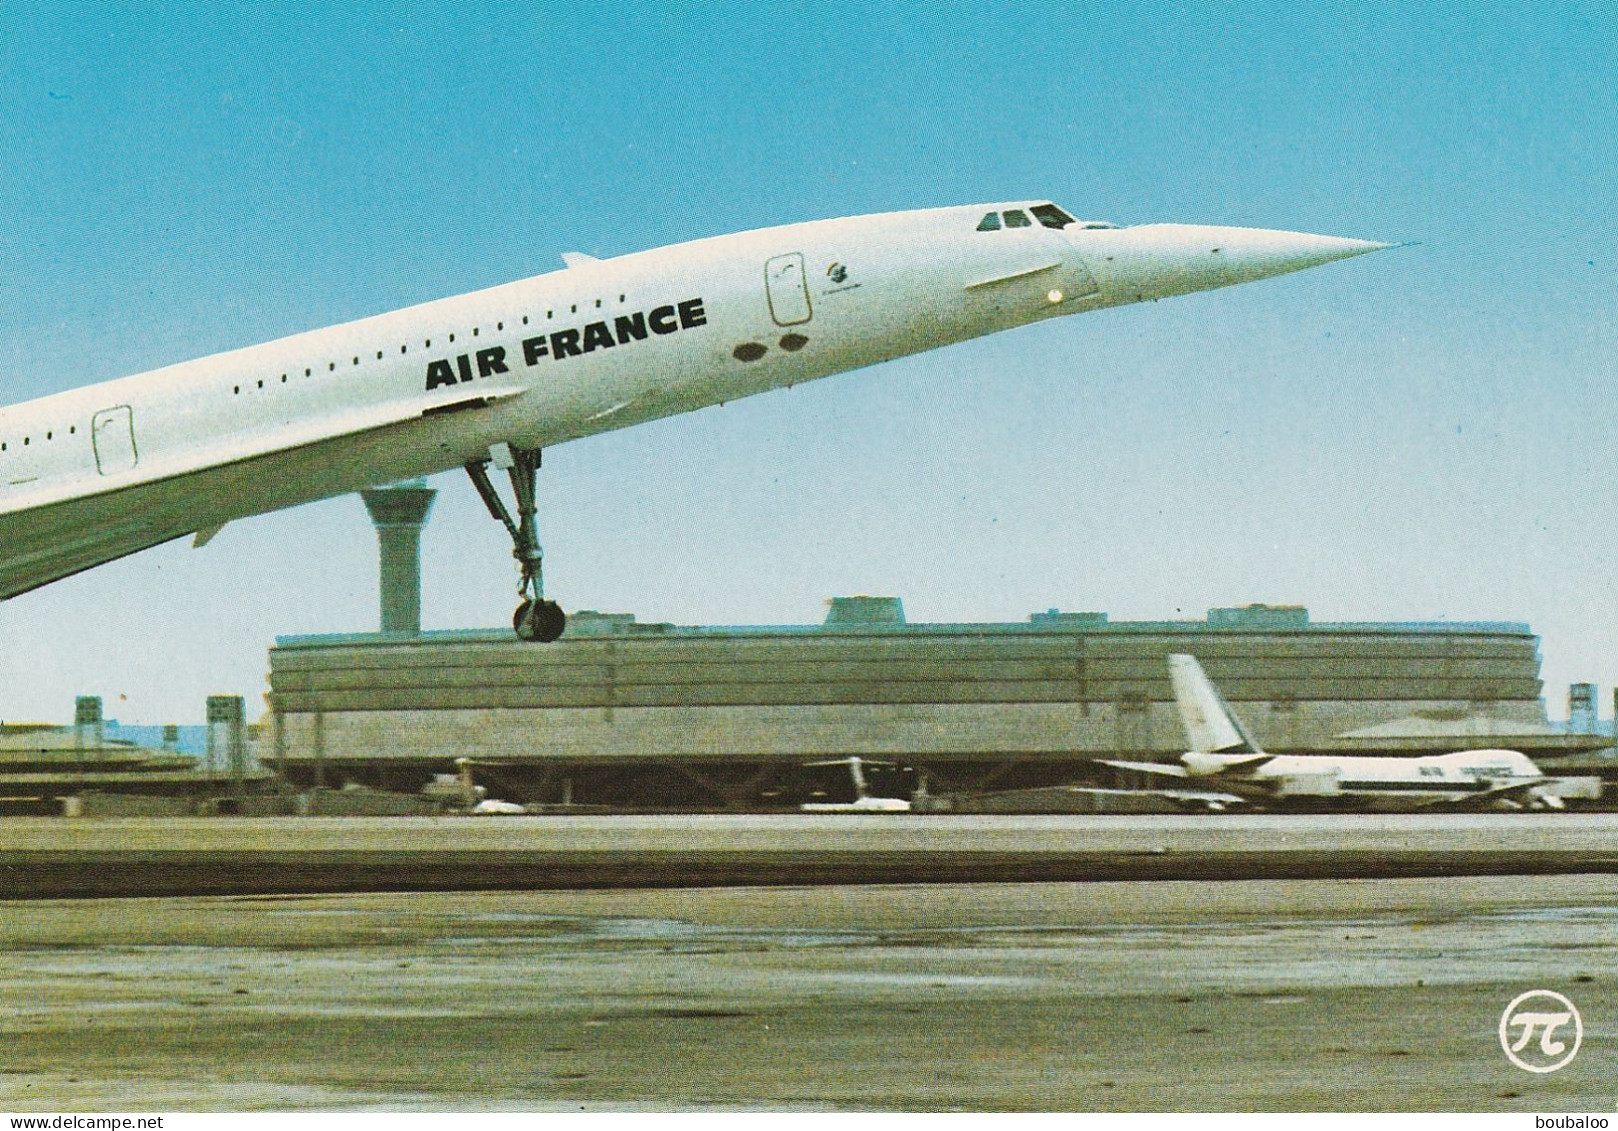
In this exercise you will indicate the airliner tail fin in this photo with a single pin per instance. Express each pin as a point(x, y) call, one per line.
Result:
point(1209, 724)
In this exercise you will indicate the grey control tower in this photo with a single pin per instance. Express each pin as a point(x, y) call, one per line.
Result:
point(399, 512)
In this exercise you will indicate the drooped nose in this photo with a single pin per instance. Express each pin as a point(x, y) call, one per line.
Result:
point(1159, 260)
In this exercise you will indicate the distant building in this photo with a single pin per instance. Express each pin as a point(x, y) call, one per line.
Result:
point(96, 767)
point(42, 767)
point(655, 715)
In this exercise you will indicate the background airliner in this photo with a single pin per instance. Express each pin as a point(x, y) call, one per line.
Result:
point(1224, 756)
point(495, 376)
point(864, 800)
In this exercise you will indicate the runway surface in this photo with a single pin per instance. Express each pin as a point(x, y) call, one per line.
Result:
point(1275, 995)
point(45, 857)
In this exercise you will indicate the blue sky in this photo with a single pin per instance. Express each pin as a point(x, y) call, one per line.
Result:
point(1428, 433)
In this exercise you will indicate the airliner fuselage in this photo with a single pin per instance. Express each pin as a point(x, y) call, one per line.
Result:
point(95, 473)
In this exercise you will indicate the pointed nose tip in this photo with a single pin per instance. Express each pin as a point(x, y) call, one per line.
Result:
point(1240, 255)
point(1300, 249)
point(1157, 260)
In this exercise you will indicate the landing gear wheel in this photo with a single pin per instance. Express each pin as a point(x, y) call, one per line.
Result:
point(539, 621)
point(536, 619)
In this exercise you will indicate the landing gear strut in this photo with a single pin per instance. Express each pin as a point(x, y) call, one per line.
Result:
point(536, 619)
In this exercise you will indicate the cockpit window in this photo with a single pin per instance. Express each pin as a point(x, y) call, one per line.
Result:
point(1097, 226)
point(990, 223)
point(1017, 218)
point(1051, 216)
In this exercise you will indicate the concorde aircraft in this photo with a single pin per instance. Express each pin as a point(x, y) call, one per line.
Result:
point(495, 376)
point(1224, 756)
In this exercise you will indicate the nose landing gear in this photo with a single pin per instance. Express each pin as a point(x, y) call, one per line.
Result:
point(536, 618)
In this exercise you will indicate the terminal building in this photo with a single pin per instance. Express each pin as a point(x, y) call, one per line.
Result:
point(84, 770)
point(659, 716)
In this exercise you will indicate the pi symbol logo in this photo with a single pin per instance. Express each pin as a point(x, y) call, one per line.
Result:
point(1541, 1031)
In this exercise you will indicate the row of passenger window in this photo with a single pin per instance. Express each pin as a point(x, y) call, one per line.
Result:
point(5, 445)
point(427, 343)
point(331, 367)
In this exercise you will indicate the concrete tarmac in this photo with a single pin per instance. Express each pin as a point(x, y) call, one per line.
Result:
point(1379, 994)
point(49, 857)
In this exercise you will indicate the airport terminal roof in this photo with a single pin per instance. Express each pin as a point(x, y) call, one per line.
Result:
point(863, 615)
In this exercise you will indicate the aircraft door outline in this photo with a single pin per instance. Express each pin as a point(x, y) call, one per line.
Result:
point(787, 290)
point(1080, 280)
point(112, 435)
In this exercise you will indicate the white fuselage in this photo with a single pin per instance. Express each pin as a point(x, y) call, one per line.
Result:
point(1385, 780)
point(94, 473)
